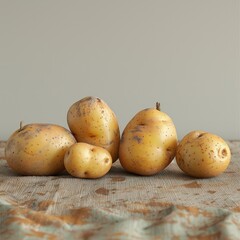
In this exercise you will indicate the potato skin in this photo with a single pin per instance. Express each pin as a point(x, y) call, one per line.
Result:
point(203, 155)
point(38, 149)
point(84, 160)
point(148, 143)
point(92, 121)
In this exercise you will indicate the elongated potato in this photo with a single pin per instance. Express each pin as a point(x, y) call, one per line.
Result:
point(148, 143)
point(38, 149)
point(92, 121)
point(84, 160)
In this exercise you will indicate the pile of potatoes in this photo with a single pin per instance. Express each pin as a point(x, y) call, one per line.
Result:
point(93, 143)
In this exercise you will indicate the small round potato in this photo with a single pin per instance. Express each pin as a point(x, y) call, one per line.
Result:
point(84, 160)
point(201, 154)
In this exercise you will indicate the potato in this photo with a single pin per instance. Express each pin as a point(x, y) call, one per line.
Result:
point(148, 142)
point(201, 154)
point(92, 121)
point(38, 149)
point(84, 160)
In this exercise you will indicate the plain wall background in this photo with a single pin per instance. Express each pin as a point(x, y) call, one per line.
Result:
point(130, 53)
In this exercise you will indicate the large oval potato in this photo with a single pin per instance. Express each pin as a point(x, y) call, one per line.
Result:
point(38, 149)
point(84, 160)
point(148, 143)
point(92, 121)
point(202, 154)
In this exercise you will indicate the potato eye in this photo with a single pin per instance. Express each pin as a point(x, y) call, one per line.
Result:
point(224, 152)
point(106, 160)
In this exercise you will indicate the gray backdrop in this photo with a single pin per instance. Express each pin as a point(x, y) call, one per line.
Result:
point(130, 53)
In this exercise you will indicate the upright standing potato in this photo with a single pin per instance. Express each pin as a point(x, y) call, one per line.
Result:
point(92, 121)
point(148, 143)
point(84, 160)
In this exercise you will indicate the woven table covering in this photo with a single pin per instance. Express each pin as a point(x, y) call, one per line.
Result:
point(168, 205)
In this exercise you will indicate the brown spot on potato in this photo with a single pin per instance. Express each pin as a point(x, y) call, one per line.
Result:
point(138, 139)
point(68, 152)
point(106, 160)
point(170, 153)
point(102, 191)
point(224, 152)
point(137, 129)
point(201, 134)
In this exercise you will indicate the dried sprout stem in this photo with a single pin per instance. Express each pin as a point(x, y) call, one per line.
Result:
point(158, 106)
point(21, 126)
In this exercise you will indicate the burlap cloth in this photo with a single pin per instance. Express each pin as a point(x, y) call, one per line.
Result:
point(169, 205)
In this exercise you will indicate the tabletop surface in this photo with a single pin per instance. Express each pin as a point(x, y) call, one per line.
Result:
point(169, 205)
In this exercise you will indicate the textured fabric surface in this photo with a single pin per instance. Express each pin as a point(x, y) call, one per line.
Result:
point(169, 205)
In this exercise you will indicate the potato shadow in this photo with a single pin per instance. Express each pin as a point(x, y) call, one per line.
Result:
point(168, 173)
